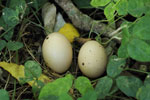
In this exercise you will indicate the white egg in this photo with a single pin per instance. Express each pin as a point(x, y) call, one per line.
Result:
point(92, 59)
point(57, 52)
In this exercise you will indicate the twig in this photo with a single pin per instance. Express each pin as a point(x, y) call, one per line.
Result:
point(82, 21)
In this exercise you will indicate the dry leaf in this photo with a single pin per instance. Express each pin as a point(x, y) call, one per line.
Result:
point(17, 71)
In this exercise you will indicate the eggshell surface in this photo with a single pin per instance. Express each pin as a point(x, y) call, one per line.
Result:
point(92, 59)
point(57, 52)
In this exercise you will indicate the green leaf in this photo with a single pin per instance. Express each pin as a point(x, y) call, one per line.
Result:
point(11, 45)
point(143, 93)
point(103, 87)
point(89, 95)
point(65, 96)
point(97, 3)
point(2, 23)
point(2, 44)
point(142, 28)
point(139, 50)
point(9, 34)
point(57, 87)
point(109, 12)
point(80, 3)
point(4, 94)
point(37, 86)
point(114, 66)
point(129, 85)
point(147, 80)
point(18, 5)
point(122, 7)
point(83, 84)
point(122, 51)
point(10, 16)
point(146, 6)
point(32, 69)
point(49, 97)
point(135, 7)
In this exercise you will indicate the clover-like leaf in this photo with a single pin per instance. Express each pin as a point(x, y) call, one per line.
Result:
point(139, 50)
point(129, 85)
point(83, 84)
point(103, 87)
point(57, 87)
point(114, 66)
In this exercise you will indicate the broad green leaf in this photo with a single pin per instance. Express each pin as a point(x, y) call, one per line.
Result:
point(65, 96)
point(32, 69)
point(129, 85)
point(97, 3)
point(9, 34)
point(103, 87)
point(2, 23)
point(4, 94)
point(135, 7)
point(80, 3)
point(109, 12)
point(114, 67)
point(89, 95)
point(143, 92)
point(147, 80)
point(122, 7)
point(11, 45)
point(18, 5)
point(57, 87)
point(49, 97)
point(2, 44)
point(10, 16)
point(142, 28)
point(139, 50)
point(147, 6)
point(83, 84)
point(122, 51)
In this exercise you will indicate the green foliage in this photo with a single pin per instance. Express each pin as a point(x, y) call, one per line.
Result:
point(11, 45)
point(59, 87)
point(18, 5)
point(36, 3)
point(122, 7)
point(10, 16)
point(114, 67)
point(136, 7)
point(2, 44)
point(141, 29)
point(4, 94)
point(139, 50)
point(89, 95)
point(32, 69)
point(129, 85)
point(134, 43)
point(109, 12)
point(82, 5)
point(97, 3)
point(103, 87)
point(83, 84)
point(143, 92)
point(147, 80)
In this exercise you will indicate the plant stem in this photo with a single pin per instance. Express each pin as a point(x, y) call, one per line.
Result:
point(135, 70)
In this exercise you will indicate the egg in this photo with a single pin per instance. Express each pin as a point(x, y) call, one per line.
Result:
point(57, 52)
point(92, 59)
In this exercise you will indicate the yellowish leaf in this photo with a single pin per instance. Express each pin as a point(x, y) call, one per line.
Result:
point(69, 31)
point(17, 71)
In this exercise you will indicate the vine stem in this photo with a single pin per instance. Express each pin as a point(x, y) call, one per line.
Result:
point(135, 70)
